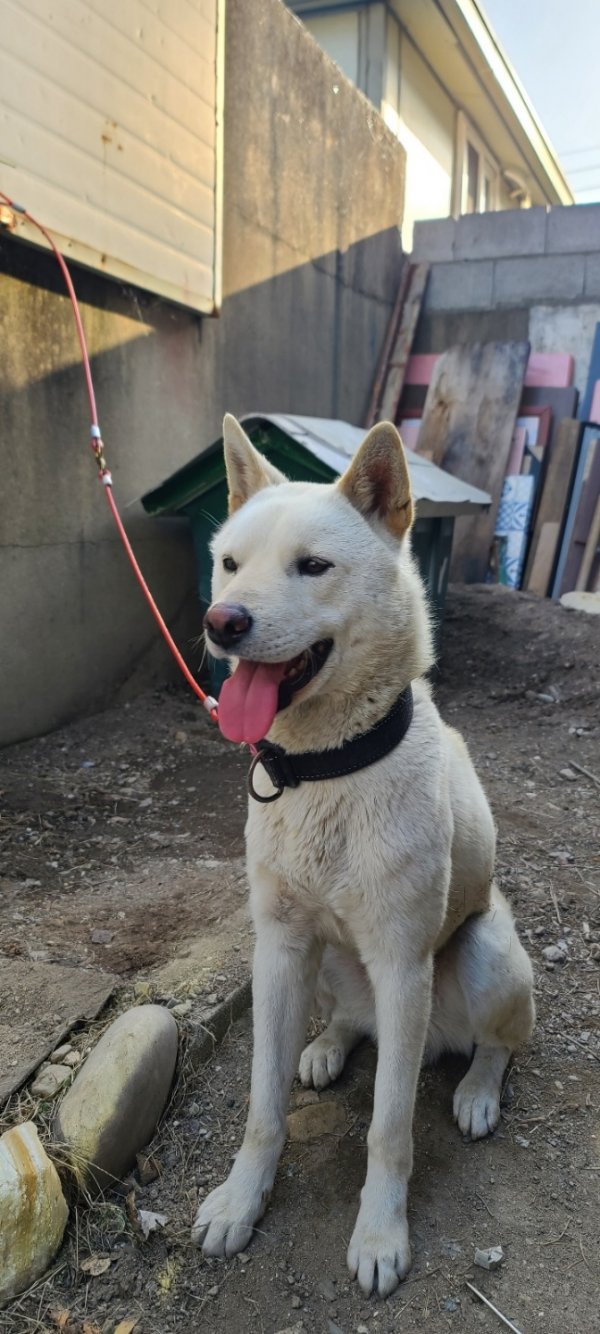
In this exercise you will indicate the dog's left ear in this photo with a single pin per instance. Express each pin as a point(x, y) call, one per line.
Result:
point(247, 470)
point(377, 482)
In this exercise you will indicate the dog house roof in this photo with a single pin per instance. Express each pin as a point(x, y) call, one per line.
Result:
point(331, 444)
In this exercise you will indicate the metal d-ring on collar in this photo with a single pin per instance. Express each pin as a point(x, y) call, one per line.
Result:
point(285, 770)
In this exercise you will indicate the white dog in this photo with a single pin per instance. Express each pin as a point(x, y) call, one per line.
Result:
point(373, 884)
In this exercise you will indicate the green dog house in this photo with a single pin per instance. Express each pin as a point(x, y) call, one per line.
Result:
point(312, 449)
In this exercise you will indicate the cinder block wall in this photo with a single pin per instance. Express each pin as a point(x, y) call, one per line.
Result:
point(524, 273)
point(314, 185)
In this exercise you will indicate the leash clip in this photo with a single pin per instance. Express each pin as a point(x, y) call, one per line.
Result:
point(279, 769)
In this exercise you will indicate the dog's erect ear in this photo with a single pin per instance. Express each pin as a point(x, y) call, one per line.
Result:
point(247, 470)
point(377, 482)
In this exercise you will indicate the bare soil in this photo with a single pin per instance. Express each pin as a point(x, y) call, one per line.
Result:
point(519, 677)
point(129, 822)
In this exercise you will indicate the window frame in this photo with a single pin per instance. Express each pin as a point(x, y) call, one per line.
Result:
point(488, 170)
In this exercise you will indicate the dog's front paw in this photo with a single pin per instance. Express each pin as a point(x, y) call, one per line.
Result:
point(224, 1222)
point(476, 1107)
point(321, 1062)
point(379, 1253)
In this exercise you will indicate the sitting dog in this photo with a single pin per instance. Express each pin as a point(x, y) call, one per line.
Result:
point(370, 842)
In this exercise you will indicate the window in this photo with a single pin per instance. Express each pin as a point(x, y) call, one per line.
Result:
point(476, 174)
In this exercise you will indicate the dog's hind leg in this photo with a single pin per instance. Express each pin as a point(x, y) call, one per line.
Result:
point(345, 998)
point(484, 996)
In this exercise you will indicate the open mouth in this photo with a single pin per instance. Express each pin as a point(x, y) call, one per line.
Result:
point(257, 691)
point(301, 670)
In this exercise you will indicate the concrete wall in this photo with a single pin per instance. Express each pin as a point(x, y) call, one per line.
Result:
point(313, 202)
point(531, 273)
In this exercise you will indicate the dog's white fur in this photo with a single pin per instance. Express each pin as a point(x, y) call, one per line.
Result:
point(383, 879)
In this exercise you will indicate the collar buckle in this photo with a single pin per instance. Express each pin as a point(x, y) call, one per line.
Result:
point(279, 768)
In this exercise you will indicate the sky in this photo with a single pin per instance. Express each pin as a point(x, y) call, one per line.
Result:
point(554, 47)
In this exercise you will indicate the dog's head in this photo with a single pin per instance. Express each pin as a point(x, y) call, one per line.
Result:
point(314, 588)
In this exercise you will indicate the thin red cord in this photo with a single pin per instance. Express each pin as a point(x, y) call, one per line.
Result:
point(103, 470)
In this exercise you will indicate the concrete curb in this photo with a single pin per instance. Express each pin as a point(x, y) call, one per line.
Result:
point(207, 1028)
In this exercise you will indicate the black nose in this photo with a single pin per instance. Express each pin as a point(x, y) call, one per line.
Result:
point(225, 623)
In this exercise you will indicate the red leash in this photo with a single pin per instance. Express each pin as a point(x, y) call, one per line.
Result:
point(104, 473)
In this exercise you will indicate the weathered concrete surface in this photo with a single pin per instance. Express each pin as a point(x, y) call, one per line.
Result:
point(521, 273)
point(313, 201)
point(113, 1107)
point(33, 1210)
point(40, 1002)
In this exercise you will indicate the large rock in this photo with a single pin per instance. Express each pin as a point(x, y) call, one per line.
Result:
point(112, 1109)
point(33, 1210)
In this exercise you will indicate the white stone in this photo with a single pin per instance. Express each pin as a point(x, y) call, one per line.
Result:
point(50, 1080)
point(113, 1107)
point(33, 1210)
point(582, 601)
point(60, 1053)
point(554, 954)
point(489, 1259)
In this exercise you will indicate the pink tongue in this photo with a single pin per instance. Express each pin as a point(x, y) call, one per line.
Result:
point(248, 700)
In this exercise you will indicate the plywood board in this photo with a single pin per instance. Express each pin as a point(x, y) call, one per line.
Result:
point(543, 560)
point(590, 550)
point(400, 352)
point(593, 375)
point(517, 450)
point(584, 507)
point(563, 402)
point(468, 425)
point(572, 505)
point(388, 343)
point(420, 368)
point(595, 404)
point(554, 498)
point(554, 370)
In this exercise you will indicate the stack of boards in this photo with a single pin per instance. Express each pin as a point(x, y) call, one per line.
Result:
point(509, 421)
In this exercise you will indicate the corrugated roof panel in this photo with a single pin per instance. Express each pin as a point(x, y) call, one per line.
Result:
point(335, 443)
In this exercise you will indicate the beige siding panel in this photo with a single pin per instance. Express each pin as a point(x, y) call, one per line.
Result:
point(426, 128)
point(152, 41)
point(106, 47)
point(108, 133)
point(192, 21)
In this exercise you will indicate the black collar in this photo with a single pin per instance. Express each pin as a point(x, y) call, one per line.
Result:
point(311, 766)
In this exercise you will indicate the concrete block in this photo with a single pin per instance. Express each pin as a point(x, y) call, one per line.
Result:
point(433, 240)
point(573, 228)
point(553, 328)
point(541, 278)
point(520, 231)
point(591, 283)
point(460, 286)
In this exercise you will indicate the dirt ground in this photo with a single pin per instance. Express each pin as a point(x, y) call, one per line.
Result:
point(131, 823)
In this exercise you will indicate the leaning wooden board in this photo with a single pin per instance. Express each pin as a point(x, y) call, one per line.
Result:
point(586, 503)
point(468, 423)
point(556, 490)
point(400, 352)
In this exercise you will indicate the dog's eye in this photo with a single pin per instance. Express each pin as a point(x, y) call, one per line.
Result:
point(313, 565)
point(229, 564)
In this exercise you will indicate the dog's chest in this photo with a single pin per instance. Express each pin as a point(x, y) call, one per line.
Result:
point(306, 841)
point(322, 848)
